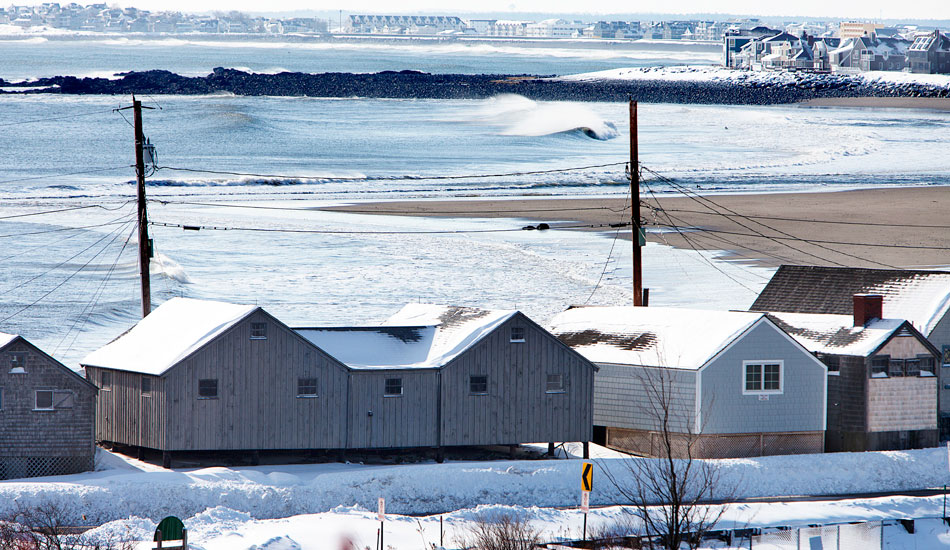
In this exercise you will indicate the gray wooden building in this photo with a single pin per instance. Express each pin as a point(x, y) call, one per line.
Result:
point(47, 414)
point(921, 297)
point(882, 384)
point(733, 384)
point(443, 376)
point(207, 376)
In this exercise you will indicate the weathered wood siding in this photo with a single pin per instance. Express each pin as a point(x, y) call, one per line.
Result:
point(625, 397)
point(43, 434)
point(257, 405)
point(409, 420)
point(124, 414)
point(517, 409)
point(940, 337)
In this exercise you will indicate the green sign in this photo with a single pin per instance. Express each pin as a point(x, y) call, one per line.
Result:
point(170, 528)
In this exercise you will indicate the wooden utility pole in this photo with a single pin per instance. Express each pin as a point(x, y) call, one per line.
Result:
point(635, 208)
point(144, 244)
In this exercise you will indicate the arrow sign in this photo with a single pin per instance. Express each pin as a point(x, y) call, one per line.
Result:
point(587, 476)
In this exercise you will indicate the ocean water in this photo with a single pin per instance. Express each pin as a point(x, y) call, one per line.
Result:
point(251, 172)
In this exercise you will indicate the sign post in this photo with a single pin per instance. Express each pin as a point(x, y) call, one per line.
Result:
point(381, 514)
point(587, 483)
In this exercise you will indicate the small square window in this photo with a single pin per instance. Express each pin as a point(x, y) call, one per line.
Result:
point(106, 380)
point(762, 377)
point(517, 334)
point(44, 400)
point(879, 366)
point(926, 364)
point(146, 385)
point(208, 388)
point(306, 387)
point(393, 387)
point(258, 331)
point(478, 385)
point(555, 383)
point(18, 361)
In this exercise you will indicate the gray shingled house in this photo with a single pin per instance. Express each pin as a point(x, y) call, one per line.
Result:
point(47, 414)
point(921, 297)
point(734, 383)
point(208, 376)
point(882, 387)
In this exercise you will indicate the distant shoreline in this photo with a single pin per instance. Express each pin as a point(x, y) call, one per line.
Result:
point(907, 227)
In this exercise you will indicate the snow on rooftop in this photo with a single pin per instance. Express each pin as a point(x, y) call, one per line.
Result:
point(170, 333)
point(418, 336)
point(921, 298)
point(6, 338)
point(653, 336)
point(836, 334)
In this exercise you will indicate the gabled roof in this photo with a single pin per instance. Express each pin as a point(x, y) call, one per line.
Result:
point(921, 297)
point(6, 339)
point(651, 336)
point(782, 37)
point(836, 334)
point(418, 336)
point(172, 332)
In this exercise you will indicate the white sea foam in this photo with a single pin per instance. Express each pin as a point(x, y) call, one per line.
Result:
point(520, 116)
point(167, 267)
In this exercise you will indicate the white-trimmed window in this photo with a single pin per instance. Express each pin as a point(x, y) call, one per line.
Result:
point(762, 377)
point(393, 387)
point(306, 387)
point(517, 334)
point(258, 331)
point(555, 383)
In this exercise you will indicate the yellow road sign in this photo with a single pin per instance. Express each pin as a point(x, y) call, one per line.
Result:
point(587, 476)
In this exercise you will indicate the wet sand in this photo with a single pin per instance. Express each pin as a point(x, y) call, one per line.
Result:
point(940, 104)
point(906, 227)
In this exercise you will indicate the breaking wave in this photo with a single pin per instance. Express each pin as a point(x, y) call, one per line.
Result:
point(516, 115)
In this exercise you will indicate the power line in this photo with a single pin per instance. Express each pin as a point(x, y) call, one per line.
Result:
point(392, 178)
point(60, 229)
point(64, 117)
point(607, 261)
point(60, 210)
point(841, 243)
point(807, 220)
point(345, 232)
point(51, 176)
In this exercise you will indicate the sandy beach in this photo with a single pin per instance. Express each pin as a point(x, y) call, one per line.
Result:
point(905, 228)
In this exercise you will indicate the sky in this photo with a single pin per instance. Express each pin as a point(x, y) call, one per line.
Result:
point(844, 9)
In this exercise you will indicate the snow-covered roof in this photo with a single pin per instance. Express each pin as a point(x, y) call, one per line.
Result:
point(651, 336)
point(418, 336)
point(170, 333)
point(921, 297)
point(836, 334)
point(6, 339)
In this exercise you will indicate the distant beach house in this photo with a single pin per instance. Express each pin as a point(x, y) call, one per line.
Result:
point(47, 414)
point(882, 386)
point(197, 375)
point(921, 297)
point(930, 53)
point(734, 382)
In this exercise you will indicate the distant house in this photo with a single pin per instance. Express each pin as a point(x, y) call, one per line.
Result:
point(735, 381)
point(870, 53)
point(209, 376)
point(882, 387)
point(445, 376)
point(921, 297)
point(47, 414)
point(930, 54)
point(736, 39)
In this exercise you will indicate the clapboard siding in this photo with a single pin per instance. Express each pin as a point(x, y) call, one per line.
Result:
point(124, 414)
point(516, 409)
point(257, 405)
point(408, 420)
point(26, 432)
point(625, 397)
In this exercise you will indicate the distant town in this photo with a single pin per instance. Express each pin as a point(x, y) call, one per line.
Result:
point(831, 47)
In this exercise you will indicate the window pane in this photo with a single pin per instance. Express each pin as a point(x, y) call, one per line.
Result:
point(208, 387)
point(106, 380)
point(896, 367)
point(927, 364)
point(912, 367)
point(306, 386)
point(63, 400)
point(773, 378)
point(17, 359)
point(555, 383)
point(44, 399)
point(146, 384)
point(478, 384)
point(517, 334)
point(393, 386)
point(258, 331)
point(753, 377)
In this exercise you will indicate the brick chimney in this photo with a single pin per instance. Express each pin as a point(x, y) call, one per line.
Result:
point(867, 307)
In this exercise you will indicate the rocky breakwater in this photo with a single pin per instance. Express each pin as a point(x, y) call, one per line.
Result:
point(709, 87)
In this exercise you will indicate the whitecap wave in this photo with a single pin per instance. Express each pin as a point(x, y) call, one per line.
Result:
point(168, 268)
point(519, 116)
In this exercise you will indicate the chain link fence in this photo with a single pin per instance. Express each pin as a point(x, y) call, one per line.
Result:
point(852, 536)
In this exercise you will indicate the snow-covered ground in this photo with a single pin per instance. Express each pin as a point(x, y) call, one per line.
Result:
point(242, 507)
point(705, 73)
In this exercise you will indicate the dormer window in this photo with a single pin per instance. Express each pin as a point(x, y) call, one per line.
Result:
point(258, 331)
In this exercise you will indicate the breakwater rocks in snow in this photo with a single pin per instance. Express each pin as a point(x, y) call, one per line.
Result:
point(705, 88)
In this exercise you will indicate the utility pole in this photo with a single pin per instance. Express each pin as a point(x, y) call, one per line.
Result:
point(636, 230)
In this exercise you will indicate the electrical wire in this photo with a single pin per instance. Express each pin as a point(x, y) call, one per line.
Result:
point(607, 261)
point(80, 172)
point(841, 243)
point(807, 220)
point(344, 232)
point(60, 229)
point(392, 178)
point(60, 210)
point(64, 117)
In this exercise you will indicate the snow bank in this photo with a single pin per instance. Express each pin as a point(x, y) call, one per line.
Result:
point(267, 492)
